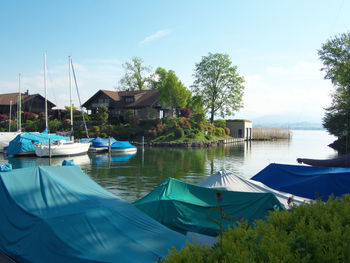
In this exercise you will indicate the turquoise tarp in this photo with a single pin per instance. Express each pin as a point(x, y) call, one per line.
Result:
point(190, 208)
point(26, 142)
point(59, 214)
point(122, 145)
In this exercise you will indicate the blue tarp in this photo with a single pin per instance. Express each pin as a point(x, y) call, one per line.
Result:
point(26, 142)
point(101, 142)
point(122, 145)
point(59, 214)
point(306, 181)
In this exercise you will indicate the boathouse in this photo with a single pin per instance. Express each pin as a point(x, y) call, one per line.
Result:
point(240, 128)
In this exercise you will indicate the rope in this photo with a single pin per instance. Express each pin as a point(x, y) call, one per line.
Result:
point(82, 112)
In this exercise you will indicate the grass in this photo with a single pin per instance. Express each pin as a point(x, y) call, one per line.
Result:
point(271, 133)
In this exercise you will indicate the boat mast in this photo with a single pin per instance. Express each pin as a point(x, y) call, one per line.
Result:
point(70, 94)
point(19, 104)
point(10, 116)
point(45, 87)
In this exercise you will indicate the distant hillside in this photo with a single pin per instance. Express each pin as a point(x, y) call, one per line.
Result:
point(291, 125)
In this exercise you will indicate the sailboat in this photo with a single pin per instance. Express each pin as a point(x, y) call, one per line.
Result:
point(6, 137)
point(62, 147)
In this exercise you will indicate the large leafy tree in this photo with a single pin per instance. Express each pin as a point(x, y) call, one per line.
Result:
point(218, 83)
point(136, 75)
point(335, 55)
point(171, 90)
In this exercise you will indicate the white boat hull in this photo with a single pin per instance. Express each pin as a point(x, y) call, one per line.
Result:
point(124, 151)
point(63, 148)
point(5, 138)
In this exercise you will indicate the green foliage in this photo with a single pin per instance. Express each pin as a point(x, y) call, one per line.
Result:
point(55, 125)
point(135, 77)
point(102, 115)
point(220, 132)
point(220, 123)
point(335, 55)
point(171, 91)
point(219, 85)
point(178, 132)
point(195, 104)
point(31, 126)
point(131, 118)
point(317, 232)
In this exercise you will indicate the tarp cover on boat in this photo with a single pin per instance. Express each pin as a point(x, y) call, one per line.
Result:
point(226, 180)
point(59, 214)
point(186, 207)
point(343, 161)
point(25, 142)
point(122, 145)
point(102, 142)
point(306, 181)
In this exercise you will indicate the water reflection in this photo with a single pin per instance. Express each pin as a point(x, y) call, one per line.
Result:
point(133, 176)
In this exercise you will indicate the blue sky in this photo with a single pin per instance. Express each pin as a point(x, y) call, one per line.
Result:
point(273, 43)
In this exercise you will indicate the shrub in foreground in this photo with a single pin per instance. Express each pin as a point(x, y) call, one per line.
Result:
point(317, 232)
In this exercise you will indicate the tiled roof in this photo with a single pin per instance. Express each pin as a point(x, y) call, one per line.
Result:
point(6, 98)
point(143, 98)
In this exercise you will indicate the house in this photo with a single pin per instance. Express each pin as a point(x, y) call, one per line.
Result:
point(29, 103)
point(240, 128)
point(144, 103)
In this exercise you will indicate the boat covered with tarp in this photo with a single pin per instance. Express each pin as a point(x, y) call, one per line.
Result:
point(190, 208)
point(59, 214)
point(25, 143)
point(343, 161)
point(307, 181)
point(123, 147)
point(102, 142)
point(227, 180)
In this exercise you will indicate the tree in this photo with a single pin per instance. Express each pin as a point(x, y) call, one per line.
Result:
point(171, 90)
point(218, 83)
point(335, 55)
point(135, 77)
point(102, 115)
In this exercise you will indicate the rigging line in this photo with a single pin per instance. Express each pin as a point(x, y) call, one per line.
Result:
point(81, 108)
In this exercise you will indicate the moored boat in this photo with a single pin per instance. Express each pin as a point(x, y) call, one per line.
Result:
point(123, 147)
point(62, 148)
point(59, 214)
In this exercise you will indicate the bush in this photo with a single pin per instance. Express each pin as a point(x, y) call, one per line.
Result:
point(220, 123)
point(55, 125)
point(184, 123)
point(198, 119)
point(227, 131)
point(178, 132)
point(3, 117)
point(220, 132)
point(152, 132)
point(318, 232)
point(185, 112)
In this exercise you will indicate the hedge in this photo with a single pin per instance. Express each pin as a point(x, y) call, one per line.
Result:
point(318, 232)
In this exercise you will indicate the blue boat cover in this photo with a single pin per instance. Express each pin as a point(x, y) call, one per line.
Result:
point(122, 145)
point(26, 142)
point(190, 208)
point(59, 214)
point(102, 142)
point(306, 181)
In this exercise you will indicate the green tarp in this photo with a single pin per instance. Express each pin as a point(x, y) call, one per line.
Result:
point(189, 208)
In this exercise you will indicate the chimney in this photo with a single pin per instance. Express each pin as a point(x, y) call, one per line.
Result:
point(27, 92)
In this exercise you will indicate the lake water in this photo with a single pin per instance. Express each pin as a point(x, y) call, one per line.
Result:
point(131, 177)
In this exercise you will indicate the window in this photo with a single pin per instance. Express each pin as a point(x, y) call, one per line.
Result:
point(129, 99)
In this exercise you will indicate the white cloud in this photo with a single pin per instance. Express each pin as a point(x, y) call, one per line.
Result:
point(157, 35)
